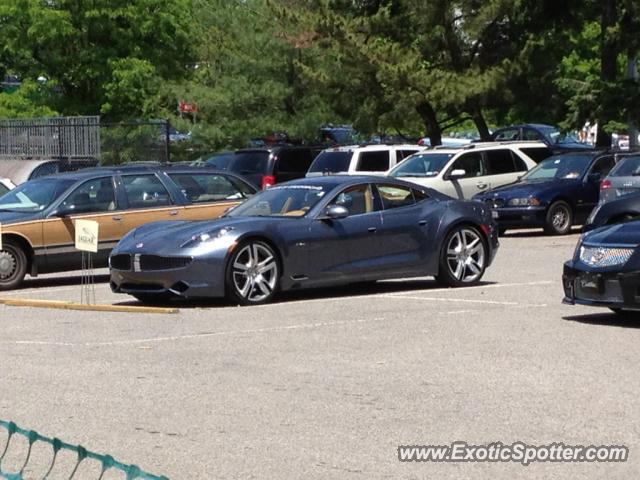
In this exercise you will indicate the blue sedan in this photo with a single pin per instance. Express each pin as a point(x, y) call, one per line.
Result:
point(309, 233)
point(559, 192)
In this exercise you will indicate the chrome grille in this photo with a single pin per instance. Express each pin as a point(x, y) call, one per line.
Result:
point(604, 256)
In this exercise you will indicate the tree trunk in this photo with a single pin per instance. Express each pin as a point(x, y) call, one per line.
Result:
point(428, 115)
point(481, 125)
point(608, 58)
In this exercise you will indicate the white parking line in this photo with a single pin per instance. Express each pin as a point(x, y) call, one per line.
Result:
point(465, 300)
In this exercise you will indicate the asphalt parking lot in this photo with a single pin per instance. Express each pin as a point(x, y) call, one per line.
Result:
point(327, 384)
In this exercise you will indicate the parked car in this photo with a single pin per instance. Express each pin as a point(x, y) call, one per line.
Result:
point(558, 193)
point(38, 217)
point(604, 269)
point(623, 179)
point(264, 167)
point(619, 210)
point(306, 233)
point(5, 185)
point(555, 139)
point(463, 172)
point(360, 159)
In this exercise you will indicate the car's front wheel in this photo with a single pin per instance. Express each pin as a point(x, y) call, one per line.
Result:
point(253, 273)
point(559, 218)
point(463, 257)
point(13, 265)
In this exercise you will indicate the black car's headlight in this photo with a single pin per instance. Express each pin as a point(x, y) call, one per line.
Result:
point(603, 257)
point(206, 237)
point(524, 202)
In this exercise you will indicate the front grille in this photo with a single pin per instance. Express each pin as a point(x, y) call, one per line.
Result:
point(120, 262)
point(156, 262)
point(494, 202)
point(604, 257)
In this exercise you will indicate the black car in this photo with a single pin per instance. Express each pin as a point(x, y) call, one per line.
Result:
point(310, 232)
point(615, 211)
point(268, 166)
point(555, 139)
point(558, 193)
point(605, 269)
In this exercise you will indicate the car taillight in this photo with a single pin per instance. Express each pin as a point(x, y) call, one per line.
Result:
point(605, 185)
point(267, 181)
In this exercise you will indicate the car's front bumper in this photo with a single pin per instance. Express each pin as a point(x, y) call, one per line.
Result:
point(203, 277)
point(520, 217)
point(601, 289)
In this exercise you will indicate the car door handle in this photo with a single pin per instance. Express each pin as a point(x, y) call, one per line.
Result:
point(173, 213)
point(372, 229)
point(117, 218)
point(422, 223)
point(481, 185)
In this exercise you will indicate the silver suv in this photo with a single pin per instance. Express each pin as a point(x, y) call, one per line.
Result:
point(623, 179)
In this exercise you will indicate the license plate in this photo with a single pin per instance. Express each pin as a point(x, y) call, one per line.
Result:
point(495, 214)
point(591, 283)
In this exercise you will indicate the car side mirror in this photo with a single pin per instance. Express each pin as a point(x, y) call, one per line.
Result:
point(336, 212)
point(457, 173)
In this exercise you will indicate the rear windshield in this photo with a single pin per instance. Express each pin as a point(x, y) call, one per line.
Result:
point(250, 162)
point(627, 167)
point(331, 162)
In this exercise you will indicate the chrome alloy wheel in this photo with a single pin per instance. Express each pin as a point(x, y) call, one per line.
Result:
point(560, 218)
point(466, 255)
point(255, 272)
point(8, 264)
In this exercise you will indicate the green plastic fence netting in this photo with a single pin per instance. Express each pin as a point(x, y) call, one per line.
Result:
point(107, 462)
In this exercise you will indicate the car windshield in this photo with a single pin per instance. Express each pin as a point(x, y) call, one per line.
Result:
point(421, 165)
point(35, 195)
point(249, 162)
point(560, 167)
point(627, 167)
point(331, 162)
point(219, 161)
point(281, 201)
point(555, 136)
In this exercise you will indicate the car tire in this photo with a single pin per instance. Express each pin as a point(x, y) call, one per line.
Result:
point(13, 265)
point(253, 273)
point(463, 257)
point(559, 218)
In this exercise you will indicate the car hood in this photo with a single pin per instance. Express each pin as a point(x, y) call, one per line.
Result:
point(528, 188)
point(16, 217)
point(619, 234)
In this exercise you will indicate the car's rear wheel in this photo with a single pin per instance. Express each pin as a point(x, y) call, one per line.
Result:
point(463, 257)
point(13, 265)
point(253, 273)
point(559, 218)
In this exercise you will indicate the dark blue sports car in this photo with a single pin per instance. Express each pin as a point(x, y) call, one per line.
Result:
point(559, 192)
point(307, 233)
point(605, 269)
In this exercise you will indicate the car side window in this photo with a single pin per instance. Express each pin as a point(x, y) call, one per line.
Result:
point(603, 165)
point(358, 200)
point(96, 195)
point(529, 134)
point(419, 195)
point(376, 161)
point(394, 196)
point(500, 161)
point(507, 134)
point(203, 188)
point(293, 161)
point(471, 163)
point(3, 189)
point(145, 191)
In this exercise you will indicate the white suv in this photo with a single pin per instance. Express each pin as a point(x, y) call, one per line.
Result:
point(464, 172)
point(360, 160)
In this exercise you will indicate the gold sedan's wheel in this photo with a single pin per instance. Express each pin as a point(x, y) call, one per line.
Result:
point(13, 265)
point(254, 273)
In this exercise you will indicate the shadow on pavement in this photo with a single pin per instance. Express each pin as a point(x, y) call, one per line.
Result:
point(537, 233)
point(59, 282)
point(628, 320)
point(351, 290)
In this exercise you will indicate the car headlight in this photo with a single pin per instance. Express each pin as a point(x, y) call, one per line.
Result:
point(524, 202)
point(206, 237)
